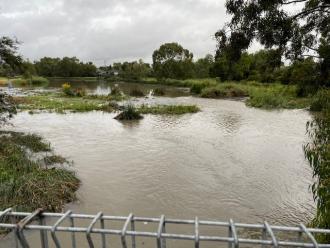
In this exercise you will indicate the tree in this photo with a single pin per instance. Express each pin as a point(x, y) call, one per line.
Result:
point(203, 66)
point(10, 61)
point(305, 33)
point(171, 60)
point(7, 108)
point(65, 67)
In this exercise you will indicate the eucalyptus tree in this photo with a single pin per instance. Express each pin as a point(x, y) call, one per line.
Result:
point(171, 60)
point(295, 28)
point(10, 61)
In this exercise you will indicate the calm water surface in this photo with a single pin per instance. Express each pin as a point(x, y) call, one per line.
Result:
point(227, 161)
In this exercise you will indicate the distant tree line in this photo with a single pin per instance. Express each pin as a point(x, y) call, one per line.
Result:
point(65, 67)
point(47, 67)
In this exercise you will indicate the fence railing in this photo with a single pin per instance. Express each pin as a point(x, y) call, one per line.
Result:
point(19, 222)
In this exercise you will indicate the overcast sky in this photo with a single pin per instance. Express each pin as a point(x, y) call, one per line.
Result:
point(114, 30)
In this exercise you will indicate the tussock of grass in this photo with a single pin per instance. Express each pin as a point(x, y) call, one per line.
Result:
point(137, 92)
point(321, 101)
point(129, 113)
point(168, 109)
point(25, 183)
point(158, 92)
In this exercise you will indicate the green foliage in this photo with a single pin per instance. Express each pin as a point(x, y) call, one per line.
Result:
point(171, 60)
point(65, 67)
point(67, 90)
point(7, 108)
point(259, 66)
point(136, 92)
point(203, 66)
point(197, 88)
point(115, 91)
point(276, 96)
point(321, 101)
point(31, 81)
point(224, 90)
point(10, 62)
point(129, 113)
point(317, 151)
point(293, 34)
point(60, 103)
point(158, 92)
point(131, 70)
point(26, 183)
point(168, 109)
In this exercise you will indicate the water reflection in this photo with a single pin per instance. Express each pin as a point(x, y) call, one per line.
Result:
point(101, 87)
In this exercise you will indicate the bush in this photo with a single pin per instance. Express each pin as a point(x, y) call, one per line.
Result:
point(212, 92)
point(80, 92)
point(39, 80)
point(159, 92)
point(224, 90)
point(129, 113)
point(197, 88)
point(321, 100)
point(115, 91)
point(266, 99)
point(136, 92)
point(66, 88)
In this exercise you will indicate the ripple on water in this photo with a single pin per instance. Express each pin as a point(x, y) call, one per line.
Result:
point(227, 161)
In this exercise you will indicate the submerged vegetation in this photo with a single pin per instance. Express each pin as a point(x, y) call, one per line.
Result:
point(59, 103)
point(168, 109)
point(129, 113)
point(31, 178)
point(137, 92)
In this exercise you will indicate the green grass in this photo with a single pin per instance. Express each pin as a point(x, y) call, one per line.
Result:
point(60, 103)
point(168, 109)
point(268, 96)
point(3, 81)
point(129, 113)
point(87, 79)
point(34, 81)
point(26, 183)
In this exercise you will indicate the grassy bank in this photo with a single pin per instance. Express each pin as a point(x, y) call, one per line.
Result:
point(21, 82)
point(260, 95)
point(30, 177)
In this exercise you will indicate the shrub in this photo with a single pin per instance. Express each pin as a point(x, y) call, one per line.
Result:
point(66, 88)
point(129, 113)
point(80, 92)
point(115, 91)
point(197, 88)
point(39, 80)
point(136, 92)
point(159, 92)
point(212, 92)
point(321, 100)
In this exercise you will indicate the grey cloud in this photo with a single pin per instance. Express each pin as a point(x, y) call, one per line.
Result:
point(110, 29)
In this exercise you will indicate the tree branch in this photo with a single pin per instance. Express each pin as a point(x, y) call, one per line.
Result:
point(296, 1)
point(309, 11)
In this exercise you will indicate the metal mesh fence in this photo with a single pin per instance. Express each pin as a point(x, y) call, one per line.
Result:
point(100, 225)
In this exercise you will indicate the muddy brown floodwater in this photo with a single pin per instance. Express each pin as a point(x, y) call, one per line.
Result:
point(227, 161)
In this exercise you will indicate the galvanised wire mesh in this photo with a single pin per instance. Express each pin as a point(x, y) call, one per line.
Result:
point(21, 222)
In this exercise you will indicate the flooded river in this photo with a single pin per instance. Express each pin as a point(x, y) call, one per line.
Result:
point(227, 161)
